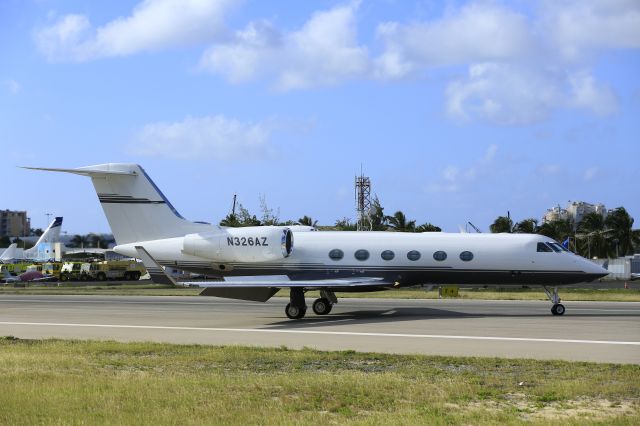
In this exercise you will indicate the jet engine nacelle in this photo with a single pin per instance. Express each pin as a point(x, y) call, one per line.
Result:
point(249, 244)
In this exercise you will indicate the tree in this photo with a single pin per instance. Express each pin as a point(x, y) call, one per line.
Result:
point(501, 224)
point(5, 241)
point(378, 219)
point(231, 221)
point(345, 224)
point(79, 241)
point(527, 226)
point(428, 227)
point(37, 232)
point(398, 222)
point(269, 218)
point(593, 236)
point(620, 224)
point(307, 221)
point(558, 230)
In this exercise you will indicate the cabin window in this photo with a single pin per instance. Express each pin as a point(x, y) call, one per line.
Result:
point(466, 256)
point(336, 254)
point(543, 248)
point(413, 255)
point(361, 254)
point(387, 255)
point(440, 256)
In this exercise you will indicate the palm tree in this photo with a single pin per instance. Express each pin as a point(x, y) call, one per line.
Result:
point(398, 222)
point(559, 230)
point(80, 241)
point(428, 227)
point(307, 221)
point(593, 235)
point(376, 214)
point(527, 226)
point(501, 224)
point(620, 226)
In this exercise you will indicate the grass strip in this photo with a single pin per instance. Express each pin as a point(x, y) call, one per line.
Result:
point(106, 382)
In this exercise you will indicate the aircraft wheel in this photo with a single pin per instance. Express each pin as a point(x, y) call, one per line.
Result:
point(295, 312)
point(322, 306)
point(558, 309)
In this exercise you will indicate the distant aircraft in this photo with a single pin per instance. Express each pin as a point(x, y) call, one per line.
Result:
point(49, 236)
point(256, 262)
point(9, 254)
point(29, 276)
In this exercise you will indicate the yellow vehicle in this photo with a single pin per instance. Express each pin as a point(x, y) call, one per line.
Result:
point(15, 268)
point(52, 268)
point(129, 270)
point(75, 271)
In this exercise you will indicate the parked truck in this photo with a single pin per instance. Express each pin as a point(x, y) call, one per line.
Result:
point(129, 270)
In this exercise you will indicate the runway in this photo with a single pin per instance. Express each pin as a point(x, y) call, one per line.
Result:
point(589, 331)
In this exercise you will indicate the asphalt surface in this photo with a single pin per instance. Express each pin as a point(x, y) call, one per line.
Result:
point(589, 331)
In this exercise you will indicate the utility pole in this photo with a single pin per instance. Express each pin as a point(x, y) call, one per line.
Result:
point(233, 209)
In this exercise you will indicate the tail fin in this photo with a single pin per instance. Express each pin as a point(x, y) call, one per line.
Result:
point(9, 253)
point(49, 236)
point(135, 208)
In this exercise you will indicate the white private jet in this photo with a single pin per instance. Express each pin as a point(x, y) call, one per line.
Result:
point(256, 262)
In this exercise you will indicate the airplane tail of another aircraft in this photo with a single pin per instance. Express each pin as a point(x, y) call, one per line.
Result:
point(50, 235)
point(135, 208)
point(9, 253)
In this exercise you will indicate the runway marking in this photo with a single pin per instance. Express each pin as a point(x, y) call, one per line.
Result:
point(327, 333)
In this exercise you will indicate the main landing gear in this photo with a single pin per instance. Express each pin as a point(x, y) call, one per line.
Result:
point(297, 308)
point(557, 308)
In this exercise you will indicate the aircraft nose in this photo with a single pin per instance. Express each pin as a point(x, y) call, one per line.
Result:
point(595, 271)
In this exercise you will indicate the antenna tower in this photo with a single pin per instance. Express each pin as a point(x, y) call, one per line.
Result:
point(363, 202)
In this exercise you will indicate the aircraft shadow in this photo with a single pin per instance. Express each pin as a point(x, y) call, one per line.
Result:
point(412, 314)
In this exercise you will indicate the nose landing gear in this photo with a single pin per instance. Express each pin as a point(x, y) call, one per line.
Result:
point(557, 308)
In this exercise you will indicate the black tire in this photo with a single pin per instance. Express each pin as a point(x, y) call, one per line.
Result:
point(559, 309)
point(64, 277)
point(295, 312)
point(135, 276)
point(127, 276)
point(84, 277)
point(101, 276)
point(322, 306)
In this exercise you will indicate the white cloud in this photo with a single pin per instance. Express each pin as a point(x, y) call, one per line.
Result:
point(13, 86)
point(454, 178)
point(153, 25)
point(577, 27)
point(475, 33)
point(215, 137)
point(324, 51)
point(510, 94)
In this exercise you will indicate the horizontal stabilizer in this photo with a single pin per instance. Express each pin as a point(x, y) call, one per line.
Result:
point(86, 171)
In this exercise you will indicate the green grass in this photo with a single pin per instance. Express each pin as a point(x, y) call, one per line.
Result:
point(80, 382)
point(143, 289)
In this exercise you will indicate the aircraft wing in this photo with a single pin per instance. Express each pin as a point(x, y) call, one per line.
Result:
point(251, 288)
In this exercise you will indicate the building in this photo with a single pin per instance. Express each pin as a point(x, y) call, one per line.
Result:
point(579, 209)
point(575, 212)
point(14, 223)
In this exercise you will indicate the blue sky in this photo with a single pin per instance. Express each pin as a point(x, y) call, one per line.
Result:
point(458, 111)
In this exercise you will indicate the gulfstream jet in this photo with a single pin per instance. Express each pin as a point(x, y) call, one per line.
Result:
point(256, 262)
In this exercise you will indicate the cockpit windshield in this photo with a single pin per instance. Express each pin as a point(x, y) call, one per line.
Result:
point(557, 247)
point(543, 248)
